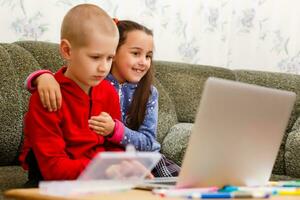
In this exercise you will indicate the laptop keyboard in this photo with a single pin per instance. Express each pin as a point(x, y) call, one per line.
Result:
point(162, 180)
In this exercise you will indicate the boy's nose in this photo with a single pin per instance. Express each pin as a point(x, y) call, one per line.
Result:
point(104, 67)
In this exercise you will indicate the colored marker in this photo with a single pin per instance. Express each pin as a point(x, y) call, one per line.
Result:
point(289, 183)
point(226, 195)
point(228, 188)
point(182, 192)
point(289, 193)
point(216, 195)
point(270, 190)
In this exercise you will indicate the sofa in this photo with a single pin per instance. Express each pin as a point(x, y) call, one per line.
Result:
point(179, 84)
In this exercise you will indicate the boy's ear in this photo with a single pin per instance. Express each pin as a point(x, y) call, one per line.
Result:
point(65, 49)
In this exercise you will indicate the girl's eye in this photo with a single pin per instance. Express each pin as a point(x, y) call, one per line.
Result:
point(149, 57)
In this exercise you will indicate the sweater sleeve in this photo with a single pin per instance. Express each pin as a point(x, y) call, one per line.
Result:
point(144, 139)
point(29, 80)
point(42, 129)
point(118, 132)
point(115, 113)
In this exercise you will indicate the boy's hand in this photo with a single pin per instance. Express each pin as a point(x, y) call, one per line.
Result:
point(102, 124)
point(49, 92)
point(128, 169)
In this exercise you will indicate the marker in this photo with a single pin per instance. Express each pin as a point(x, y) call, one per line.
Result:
point(233, 195)
point(183, 192)
point(216, 195)
point(270, 190)
point(295, 184)
point(290, 193)
point(289, 183)
point(229, 188)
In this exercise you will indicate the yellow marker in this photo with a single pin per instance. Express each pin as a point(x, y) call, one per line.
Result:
point(290, 193)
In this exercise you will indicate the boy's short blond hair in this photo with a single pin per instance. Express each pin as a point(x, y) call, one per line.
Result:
point(85, 19)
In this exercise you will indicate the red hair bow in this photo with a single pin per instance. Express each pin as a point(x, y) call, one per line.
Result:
point(116, 20)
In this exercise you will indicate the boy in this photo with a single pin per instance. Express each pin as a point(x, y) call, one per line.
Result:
point(59, 145)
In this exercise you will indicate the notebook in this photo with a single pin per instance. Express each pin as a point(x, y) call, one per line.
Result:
point(235, 138)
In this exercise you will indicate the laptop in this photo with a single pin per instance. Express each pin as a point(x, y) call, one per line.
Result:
point(235, 138)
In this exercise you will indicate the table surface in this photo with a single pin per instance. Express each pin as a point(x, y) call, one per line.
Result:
point(33, 194)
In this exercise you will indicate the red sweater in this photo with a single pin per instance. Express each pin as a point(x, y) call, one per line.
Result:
point(62, 142)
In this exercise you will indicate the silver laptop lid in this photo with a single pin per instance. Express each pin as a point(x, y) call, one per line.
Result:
point(236, 136)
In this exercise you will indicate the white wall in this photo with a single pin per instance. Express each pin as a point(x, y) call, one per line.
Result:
point(237, 34)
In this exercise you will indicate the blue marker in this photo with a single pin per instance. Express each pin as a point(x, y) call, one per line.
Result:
point(217, 195)
point(227, 195)
point(228, 188)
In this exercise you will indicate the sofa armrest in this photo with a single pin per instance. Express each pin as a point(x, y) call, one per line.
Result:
point(292, 151)
point(175, 143)
point(167, 116)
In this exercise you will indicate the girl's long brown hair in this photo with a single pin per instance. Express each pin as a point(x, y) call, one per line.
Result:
point(137, 110)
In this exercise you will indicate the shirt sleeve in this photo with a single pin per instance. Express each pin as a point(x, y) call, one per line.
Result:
point(29, 80)
point(42, 129)
point(144, 139)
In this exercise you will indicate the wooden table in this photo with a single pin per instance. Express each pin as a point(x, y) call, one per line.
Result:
point(33, 194)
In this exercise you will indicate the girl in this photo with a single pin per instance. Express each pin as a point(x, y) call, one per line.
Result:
point(132, 76)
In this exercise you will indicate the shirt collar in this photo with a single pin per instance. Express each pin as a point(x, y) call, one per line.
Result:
point(70, 85)
point(114, 81)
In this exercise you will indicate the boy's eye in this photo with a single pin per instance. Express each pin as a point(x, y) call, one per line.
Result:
point(95, 57)
point(110, 58)
point(135, 53)
point(149, 57)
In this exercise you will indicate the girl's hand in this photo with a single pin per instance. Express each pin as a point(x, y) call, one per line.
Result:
point(49, 92)
point(102, 124)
